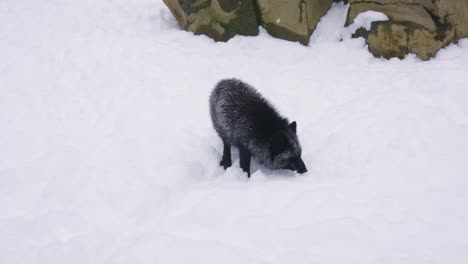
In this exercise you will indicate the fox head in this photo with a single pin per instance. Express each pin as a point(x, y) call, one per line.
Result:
point(286, 150)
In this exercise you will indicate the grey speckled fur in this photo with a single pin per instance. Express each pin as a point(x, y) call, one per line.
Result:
point(243, 118)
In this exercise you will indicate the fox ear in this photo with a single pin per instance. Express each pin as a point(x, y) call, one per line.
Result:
point(293, 126)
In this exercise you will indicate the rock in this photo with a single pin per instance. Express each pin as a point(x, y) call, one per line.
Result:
point(421, 27)
point(218, 19)
point(396, 12)
point(388, 40)
point(293, 20)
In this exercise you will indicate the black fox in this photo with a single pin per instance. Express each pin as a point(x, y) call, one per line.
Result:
point(243, 118)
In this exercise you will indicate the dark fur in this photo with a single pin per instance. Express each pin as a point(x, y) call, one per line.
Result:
point(243, 118)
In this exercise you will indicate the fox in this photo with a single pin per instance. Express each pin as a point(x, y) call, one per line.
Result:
point(243, 118)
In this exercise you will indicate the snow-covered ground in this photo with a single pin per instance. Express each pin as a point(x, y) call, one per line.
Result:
point(107, 153)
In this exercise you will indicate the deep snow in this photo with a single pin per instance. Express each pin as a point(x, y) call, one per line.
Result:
point(107, 153)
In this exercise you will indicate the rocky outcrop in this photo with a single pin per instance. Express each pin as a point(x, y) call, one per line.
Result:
point(421, 27)
point(218, 19)
point(293, 20)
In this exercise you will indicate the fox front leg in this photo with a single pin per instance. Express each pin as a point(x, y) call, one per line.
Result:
point(226, 159)
point(244, 157)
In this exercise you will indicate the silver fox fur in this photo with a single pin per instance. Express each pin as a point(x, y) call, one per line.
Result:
point(243, 118)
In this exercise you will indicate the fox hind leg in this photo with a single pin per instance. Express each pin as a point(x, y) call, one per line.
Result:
point(226, 159)
point(245, 157)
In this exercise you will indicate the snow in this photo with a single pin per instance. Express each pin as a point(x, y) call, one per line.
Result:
point(363, 20)
point(108, 154)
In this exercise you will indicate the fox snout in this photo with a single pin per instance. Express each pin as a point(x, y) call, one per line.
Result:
point(297, 165)
point(301, 167)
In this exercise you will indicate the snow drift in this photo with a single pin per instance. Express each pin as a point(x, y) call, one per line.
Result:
point(108, 154)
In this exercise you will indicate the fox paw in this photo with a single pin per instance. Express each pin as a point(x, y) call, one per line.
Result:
point(225, 163)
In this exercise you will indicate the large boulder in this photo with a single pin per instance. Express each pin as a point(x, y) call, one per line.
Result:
point(293, 20)
point(421, 27)
point(218, 19)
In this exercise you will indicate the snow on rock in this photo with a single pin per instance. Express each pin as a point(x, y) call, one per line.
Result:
point(108, 154)
point(363, 20)
point(331, 26)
